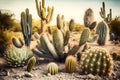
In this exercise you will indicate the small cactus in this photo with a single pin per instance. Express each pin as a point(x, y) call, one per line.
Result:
point(96, 61)
point(70, 64)
point(17, 57)
point(71, 24)
point(17, 42)
point(31, 63)
point(52, 68)
point(103, 31)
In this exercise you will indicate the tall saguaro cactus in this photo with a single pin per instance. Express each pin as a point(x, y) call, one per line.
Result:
point(106, 17)
point(26, 25)
point(44, 13)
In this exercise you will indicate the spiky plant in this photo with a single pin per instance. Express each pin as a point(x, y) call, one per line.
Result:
point(89, 19)
point(52, 68)
point(96, 61)
point(70, 64)
point(44, 13)
point(26, 25)
point(17, 57)
point(103, 31)
point(106, 17)
point(31, 63)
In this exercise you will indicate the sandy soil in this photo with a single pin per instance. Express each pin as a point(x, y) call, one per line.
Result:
point(39, 72)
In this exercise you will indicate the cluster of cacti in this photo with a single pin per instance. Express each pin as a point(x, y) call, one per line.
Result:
point(17, 57)
point(26, 25)
point(70, 64)
point(107, 17)
point(96, 61)
point(44, 13)
point(89, 19)
point(31, 63)
point(17, 42)
point(52, 68)
point(103, 31)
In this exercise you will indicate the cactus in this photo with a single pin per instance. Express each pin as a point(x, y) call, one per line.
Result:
point(103, 31)
point(44, 13)
point(17, 42)
point(96, 61)
point(17, 57)
point(107, 18)
point(70, 64)
point(31, 63)
point(26, 25)
point(71, 24)
point(52, 68)
point(89, 19)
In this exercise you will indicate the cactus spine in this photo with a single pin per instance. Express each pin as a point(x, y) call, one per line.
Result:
point(107, 18)
point(17, 42)
point(44, 13)
point(70, 64)
point(26, 25)
point(31, 63)
point(96, 61)
point(17, 57)
point(103, 32)
point(52, 68)
point(89, 19)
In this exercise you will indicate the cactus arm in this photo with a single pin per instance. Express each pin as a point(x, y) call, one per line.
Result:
point(66, 37)
point(40, 54)
point(93, 39)
point(71, 24)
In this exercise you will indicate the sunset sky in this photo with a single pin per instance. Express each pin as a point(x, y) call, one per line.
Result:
point(69, 8)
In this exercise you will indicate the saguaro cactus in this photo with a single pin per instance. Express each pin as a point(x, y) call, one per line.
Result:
point(26, 25)
point(107, 17)
point(89, 19)
point(103, 32)
point(96, 61)
point(44, 13)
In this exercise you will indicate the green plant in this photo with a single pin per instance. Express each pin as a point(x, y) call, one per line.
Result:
point(103, 31)
point(17, 57)
point(31, 63)
point(52, 68)
point(70, 64)
point(115, 27)
point(44, 13)
point(89, 19)
point(17, 42)
point(115, 56)
point(26, 25)
point(96, 61)
point(107, 18)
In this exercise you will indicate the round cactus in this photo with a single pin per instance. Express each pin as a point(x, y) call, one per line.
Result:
point(17, 57)
point(52, 68)
point(96, 61)
point(70, 64)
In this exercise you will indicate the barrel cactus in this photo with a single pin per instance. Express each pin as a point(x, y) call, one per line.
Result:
point(70, 64)
point(103, 32)
point(52, 68)
point(96, 61)
point(31, 63)
point(17, 57)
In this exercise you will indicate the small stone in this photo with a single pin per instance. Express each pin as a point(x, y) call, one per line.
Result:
point(49, 74)
point(27, 74)
point(91, 76)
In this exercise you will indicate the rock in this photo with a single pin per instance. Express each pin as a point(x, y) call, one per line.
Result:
point(27, 74)
point(91, 76)
point(49, 74)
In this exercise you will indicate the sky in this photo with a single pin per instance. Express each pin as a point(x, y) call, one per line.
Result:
point(71, 9)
